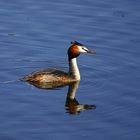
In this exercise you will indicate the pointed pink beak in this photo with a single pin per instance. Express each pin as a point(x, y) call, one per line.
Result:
point(91, 51)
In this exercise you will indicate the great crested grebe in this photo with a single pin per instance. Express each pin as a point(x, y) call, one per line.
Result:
point(57, 76)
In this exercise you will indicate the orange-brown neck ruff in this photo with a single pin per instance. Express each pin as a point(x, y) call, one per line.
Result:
point(73, 51)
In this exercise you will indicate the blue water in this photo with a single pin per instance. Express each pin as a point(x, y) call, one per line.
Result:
point(36, 34)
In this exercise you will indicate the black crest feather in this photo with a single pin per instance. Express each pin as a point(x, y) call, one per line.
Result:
point(76, 43)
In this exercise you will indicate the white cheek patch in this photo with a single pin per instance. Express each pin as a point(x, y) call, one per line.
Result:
point(82, 49)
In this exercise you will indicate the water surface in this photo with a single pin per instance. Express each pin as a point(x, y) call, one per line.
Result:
point(36, 35)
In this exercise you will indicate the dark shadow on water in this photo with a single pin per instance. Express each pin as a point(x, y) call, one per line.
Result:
point(72, 105)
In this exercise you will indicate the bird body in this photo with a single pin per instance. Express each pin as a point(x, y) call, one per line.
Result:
point(59, 77)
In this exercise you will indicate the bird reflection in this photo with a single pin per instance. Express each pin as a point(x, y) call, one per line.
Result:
point(72, 106)
point(44, 85)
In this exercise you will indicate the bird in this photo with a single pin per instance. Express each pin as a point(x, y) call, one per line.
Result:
point(54, 77)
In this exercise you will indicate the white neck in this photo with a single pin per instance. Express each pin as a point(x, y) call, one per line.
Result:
point(73, 69)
